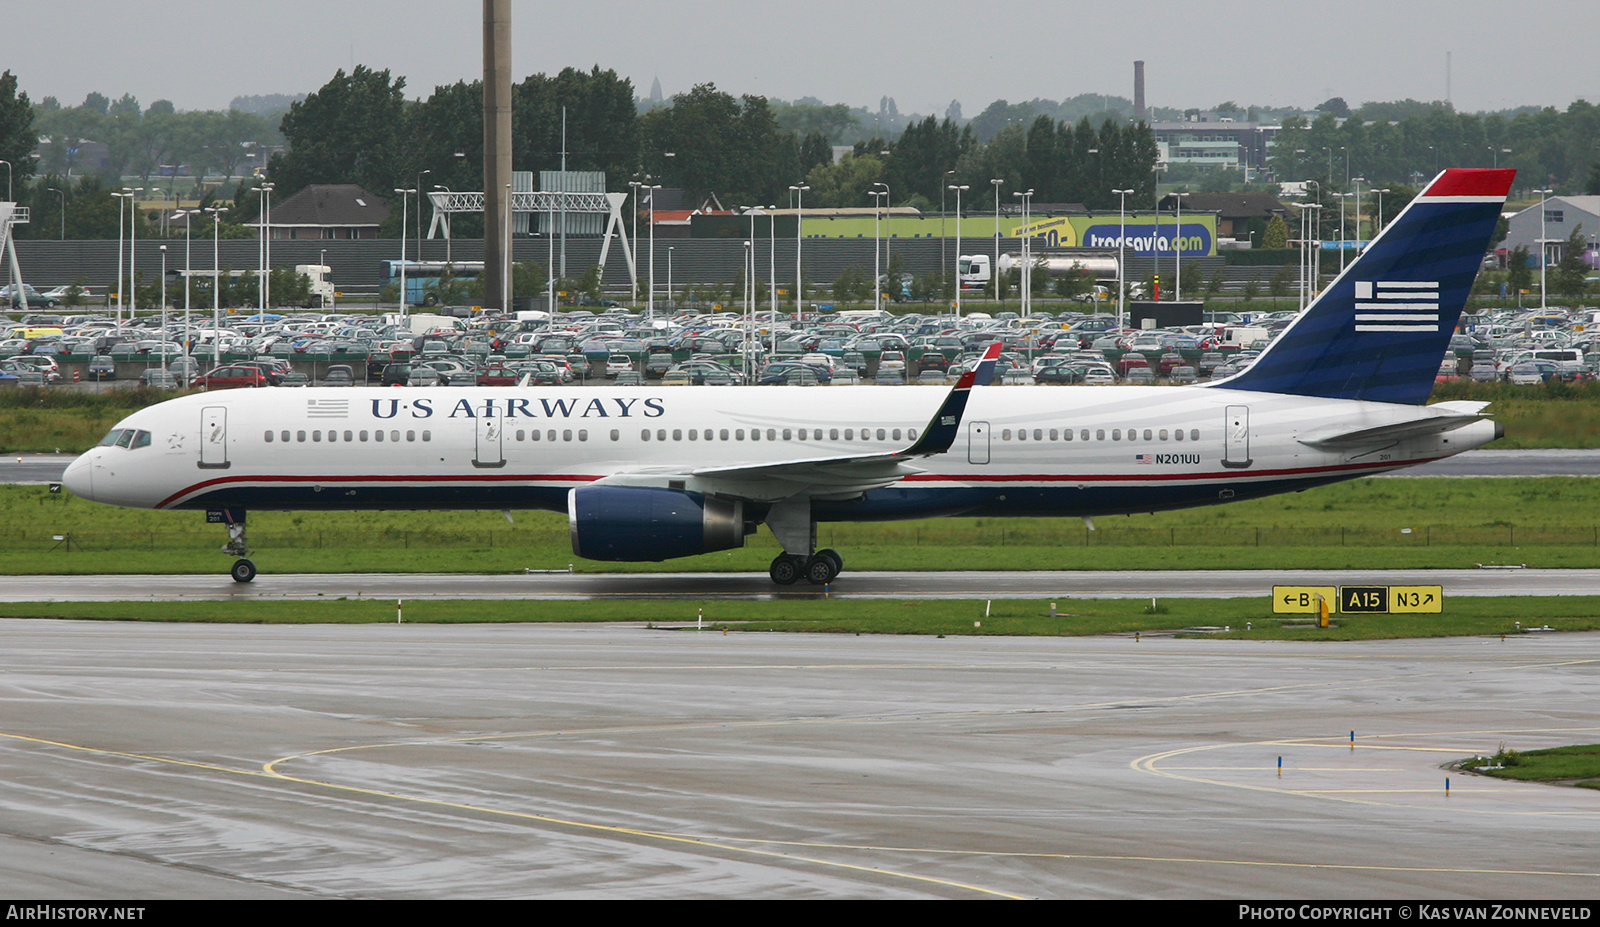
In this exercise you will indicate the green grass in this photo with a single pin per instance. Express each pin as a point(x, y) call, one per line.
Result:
point(1454, 523)
point(1579, 764)
point(805, 610)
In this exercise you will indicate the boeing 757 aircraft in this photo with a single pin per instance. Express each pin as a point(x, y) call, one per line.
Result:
point(653, 474)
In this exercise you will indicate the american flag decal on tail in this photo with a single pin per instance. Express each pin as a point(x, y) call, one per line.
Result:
point(1397, 306)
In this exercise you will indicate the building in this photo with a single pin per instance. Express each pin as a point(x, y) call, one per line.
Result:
point(328, 211)
point(1210, 141)
point(1562, 214)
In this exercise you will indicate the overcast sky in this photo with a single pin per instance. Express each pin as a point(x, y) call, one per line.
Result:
point(200, 54)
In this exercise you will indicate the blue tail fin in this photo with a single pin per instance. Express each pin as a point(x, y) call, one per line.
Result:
point(1379, 331)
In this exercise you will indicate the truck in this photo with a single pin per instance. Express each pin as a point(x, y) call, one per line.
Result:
point(975, 270)
point(321, 283)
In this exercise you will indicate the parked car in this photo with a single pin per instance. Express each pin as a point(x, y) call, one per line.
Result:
point(339, 375)
point(231, 377)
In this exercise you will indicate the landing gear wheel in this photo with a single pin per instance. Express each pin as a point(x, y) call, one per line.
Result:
point(820, 570)
point(785, 570)
point(831, 554)
point(243, 571)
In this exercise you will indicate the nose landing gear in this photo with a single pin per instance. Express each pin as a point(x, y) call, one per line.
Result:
point(244, 570)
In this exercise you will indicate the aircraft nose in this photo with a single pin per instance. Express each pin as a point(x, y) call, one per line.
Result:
point(79, 477)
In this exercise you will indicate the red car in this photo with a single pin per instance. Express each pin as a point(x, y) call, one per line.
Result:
point(231, 378)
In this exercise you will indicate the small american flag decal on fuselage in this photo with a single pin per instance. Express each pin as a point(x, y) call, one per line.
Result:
point(1397, 306)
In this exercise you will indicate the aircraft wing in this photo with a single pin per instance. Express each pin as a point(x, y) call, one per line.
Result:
point(843, 476)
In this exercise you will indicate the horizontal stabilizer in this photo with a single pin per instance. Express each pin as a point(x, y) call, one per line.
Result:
point(1416, 428)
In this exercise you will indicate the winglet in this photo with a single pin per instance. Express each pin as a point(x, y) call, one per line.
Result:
point(946, 423)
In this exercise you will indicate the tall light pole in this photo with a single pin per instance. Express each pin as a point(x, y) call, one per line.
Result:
point(944, 260)
point(877, 287)
point(1357, 181)
point(164, 334)
point(888, 227)
point(1378, 229)
point(799, 238)
point(959, 188)
point(63, 210)
point(994, 269)
point(266, 280)
point(216, 282)
point(188, 279)
point(1177, 248)
point(133, 249)
point(507, 291)
point(1025, 274)
point(1342, 197)
point(670, 249)
point(121, 280)
point(650, 304)
point(1122, 243)
point(1544, 243)
point(635, 184)
point(405, 218)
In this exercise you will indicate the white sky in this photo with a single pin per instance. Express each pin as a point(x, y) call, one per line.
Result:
point(202, 53)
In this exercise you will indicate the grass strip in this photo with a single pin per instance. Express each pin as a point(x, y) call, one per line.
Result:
point(1243, 618)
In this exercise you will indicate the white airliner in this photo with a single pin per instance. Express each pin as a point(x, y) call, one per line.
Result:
point(653, 474)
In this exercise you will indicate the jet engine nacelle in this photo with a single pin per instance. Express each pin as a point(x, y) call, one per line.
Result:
point(629, 523)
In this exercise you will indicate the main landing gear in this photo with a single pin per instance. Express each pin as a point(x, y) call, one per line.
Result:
point(790, 521)
point(819, 569)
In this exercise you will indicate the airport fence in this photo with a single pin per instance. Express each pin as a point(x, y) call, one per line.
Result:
point(923, 534)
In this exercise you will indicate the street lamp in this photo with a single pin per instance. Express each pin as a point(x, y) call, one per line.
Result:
point(163, 309)
point(120, 279)
point(636, 184)
point(1342, 197)
point(1177, 248)
point(994, 269)
point(1378, 229)
point(670, 249)
point(216, 282)
point(63, 211)
point(650, 303)
point(1497, 153)
point(877, 289)
point(405, 204)
point(944, 258)
point(1025, 276)
point(1544, 243)
point(959, 188)
point(1357, 181)
point(133, 249)
point(799, 281)
point(1122, 241)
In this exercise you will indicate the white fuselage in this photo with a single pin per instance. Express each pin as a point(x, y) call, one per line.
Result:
point(1130, 448)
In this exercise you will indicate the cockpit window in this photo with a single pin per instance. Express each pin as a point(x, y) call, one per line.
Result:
point(126, 437)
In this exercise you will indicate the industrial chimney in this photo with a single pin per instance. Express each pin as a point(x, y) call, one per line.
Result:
point(1138, 90)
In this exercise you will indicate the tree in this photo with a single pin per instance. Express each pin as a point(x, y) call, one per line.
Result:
point(1571, 270)
point(17, 137)
point(851, 285)
point(1276, 237)
point(349, 131)
point(1519, 276)
point(602, 124)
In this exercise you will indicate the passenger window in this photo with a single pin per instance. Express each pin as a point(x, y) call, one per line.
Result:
point(550, 435)
point(284, 436)
point(677, 434)
point(1178, 434)
point(394, 434)
point(363, 436)
point(616, 435)
point(787, 434)
point(269, 437)
point(661, 434)
point(427, 435)
point(1163, 434)
point(533, 435)
point(583, 434)
point(1194, 434)
point(882, 435)
point(644, 434)
point(738, 434)
point(1099, 434)
point(833, 434)
point(300, 436)
point(1116, 434)
point(1005, 434)
point(724, 434)
point(1054, 434)
point(316, 436)
point(1147, 435)
point(348, 436)
point(911, 433)
point(521, 435)
point(411, 435)
point(566, 434)
point(694, 434)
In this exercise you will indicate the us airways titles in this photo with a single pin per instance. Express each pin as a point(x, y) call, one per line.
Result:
point(610, 407)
